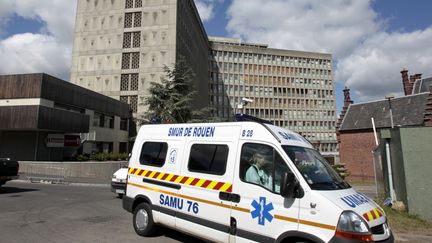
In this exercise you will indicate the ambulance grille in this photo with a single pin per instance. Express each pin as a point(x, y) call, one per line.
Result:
point(378, 230)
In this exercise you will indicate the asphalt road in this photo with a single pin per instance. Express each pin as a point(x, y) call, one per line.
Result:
point(65, 213)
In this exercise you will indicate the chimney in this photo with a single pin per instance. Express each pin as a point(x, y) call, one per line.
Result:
point(347, 103)
point(413, 78)
point(408, 86)
point(428, 110)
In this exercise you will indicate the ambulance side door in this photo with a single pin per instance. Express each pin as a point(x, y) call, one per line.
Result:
point(154, 164)
point(262, 214)
point(207, 177)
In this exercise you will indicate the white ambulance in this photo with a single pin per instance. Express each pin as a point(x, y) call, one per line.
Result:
point(244, 182)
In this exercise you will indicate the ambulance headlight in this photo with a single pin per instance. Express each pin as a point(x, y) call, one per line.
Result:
point(352, 227)
point(349, 221)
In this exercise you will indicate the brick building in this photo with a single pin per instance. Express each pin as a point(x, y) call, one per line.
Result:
point(355, 131)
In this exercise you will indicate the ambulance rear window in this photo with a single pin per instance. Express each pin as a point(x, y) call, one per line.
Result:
point(208, 158)
point(153, 154)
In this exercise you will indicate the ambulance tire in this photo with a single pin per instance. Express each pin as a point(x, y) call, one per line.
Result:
point(143, 220)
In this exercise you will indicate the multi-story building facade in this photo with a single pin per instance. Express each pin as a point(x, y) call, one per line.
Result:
point(121, 46)
point(293, 89)
point(45, 118)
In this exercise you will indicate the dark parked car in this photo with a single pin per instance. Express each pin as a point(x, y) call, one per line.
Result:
point(8, 170)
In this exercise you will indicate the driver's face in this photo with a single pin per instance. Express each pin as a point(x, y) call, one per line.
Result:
point(260, 161)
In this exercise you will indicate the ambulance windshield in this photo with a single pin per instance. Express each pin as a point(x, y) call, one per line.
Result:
point(315, 169)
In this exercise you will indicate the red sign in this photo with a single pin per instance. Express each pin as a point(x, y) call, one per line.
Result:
point(72, 140)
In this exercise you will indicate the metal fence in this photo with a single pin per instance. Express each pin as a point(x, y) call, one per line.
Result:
point(58, 172)
point(51, 172)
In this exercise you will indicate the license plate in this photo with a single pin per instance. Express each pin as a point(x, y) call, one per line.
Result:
point(120, 191)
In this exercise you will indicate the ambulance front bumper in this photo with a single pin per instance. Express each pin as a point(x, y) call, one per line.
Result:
point(127, 203)
point(342, 240)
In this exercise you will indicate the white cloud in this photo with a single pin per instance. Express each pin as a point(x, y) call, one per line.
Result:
point(372, 70)
point(205, 9)
point(34, 53)
point(50, 50)
point(5, 12)
point(335, 26)
point(368, 59)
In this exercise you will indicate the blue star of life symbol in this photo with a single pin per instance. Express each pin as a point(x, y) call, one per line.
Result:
point(262, 210)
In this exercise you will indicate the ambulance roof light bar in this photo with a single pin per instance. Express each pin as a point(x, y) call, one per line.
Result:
point(244, 117)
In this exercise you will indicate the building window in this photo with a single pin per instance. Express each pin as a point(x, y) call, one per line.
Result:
point(124, 124)
point(102, 120)
point(208, 158)
point(132, 20)
point(132, 100)
point(108, 121)
point(129, 82)
point(128, 20)
point(130, 60)
point(130, 4)
point(138, 3)
point(127, 37)
point(102, 147)
point(97, 119)
point(123, 147)
point(133, 103)
point(153, 154)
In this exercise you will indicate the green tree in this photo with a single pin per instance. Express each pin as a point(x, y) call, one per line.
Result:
point(205, 115)
point(171, 100)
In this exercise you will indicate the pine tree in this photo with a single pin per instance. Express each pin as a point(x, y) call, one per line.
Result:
point(171, 100)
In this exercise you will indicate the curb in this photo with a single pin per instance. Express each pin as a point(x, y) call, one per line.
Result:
point(65, 183)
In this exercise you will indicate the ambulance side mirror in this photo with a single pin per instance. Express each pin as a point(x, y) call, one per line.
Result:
point(290, 187)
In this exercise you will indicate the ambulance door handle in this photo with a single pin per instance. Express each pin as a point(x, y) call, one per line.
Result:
point(226, 196)
point(235, 197)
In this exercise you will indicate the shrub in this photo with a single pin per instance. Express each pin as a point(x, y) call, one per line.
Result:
point(82, 157)
point(341, 170)
point(103, 157)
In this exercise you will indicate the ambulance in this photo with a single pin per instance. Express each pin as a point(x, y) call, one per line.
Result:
point(244, 182)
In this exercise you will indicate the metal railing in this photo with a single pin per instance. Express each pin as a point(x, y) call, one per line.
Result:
point(49, 173)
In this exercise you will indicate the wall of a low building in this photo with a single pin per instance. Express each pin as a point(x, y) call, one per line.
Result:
point(417, 161)
point(65, 170)
point(30, 145)
point(356, 152)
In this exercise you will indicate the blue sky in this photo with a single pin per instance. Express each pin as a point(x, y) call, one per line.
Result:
point(370, 40)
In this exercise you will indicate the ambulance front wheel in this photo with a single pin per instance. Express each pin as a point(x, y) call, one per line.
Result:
point(143, 220)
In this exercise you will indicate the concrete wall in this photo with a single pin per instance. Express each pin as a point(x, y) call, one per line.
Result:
point(356, 152)
point(90, 170)
point(411, 153)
